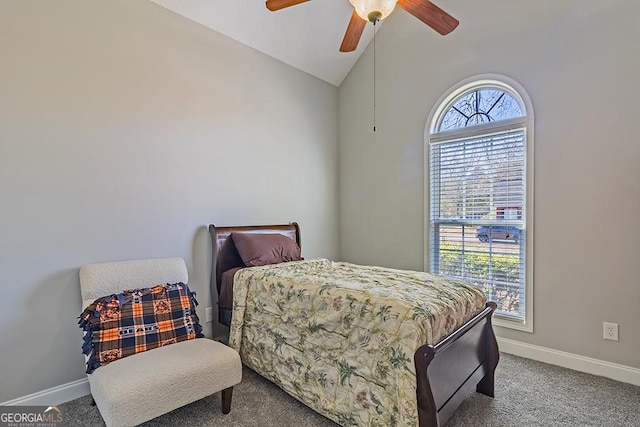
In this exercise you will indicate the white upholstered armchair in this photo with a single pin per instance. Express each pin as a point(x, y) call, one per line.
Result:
point(145, 385)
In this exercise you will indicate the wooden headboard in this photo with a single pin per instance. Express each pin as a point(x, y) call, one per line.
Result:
point(219, 236)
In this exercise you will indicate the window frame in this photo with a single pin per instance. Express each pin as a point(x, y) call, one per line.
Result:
point(431, 134)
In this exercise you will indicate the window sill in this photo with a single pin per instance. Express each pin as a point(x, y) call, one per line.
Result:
point(519, 325)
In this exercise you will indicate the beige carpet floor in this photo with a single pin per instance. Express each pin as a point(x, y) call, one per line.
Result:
point(528, 393)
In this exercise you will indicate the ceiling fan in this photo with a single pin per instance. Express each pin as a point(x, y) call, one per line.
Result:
point(376, 10)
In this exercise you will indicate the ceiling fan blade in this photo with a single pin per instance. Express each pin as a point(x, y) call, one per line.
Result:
point(430, 14)
point(353, 34)
point(274, 5)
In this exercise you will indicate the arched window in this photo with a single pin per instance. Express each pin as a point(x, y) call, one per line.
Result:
point(480, 192)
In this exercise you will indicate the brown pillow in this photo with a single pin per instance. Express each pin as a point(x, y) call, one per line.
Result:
point(263, 249)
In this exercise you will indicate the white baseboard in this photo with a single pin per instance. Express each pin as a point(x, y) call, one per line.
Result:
point(576, 362)
point(54, 395)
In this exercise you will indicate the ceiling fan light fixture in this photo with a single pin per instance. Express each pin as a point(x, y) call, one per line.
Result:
point(373, 10)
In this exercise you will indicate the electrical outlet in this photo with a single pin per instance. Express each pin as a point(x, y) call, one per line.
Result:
point(610, 331)
point(209, 314)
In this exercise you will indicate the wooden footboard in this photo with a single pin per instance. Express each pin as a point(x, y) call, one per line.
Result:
point(448, 371)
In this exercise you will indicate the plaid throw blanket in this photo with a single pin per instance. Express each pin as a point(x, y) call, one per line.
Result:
point(134, 321)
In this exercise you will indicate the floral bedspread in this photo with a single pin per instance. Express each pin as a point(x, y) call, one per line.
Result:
point(341, 337)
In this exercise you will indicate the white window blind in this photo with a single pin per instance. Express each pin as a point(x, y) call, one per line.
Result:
point(477, 213)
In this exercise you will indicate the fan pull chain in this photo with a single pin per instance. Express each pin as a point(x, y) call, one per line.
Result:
point(374, 74)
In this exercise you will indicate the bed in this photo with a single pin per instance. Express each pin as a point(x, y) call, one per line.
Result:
point(443, 371)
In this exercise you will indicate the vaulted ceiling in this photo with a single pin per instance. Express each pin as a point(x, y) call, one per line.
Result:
point(306, 36)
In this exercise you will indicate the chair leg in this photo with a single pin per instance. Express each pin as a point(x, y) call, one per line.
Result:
point(226, 400)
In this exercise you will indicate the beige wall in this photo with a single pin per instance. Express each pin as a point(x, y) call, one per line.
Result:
point(124, 131)
point(579, 62)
